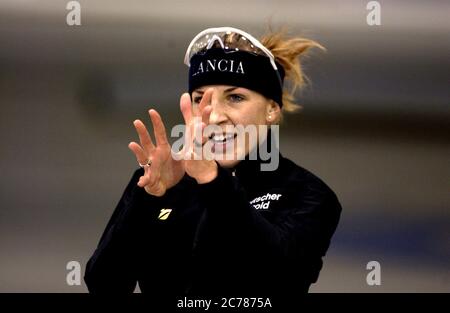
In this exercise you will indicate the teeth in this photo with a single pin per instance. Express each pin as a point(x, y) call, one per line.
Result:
point(221, 138)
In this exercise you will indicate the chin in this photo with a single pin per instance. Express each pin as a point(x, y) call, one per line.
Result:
point(228, 163)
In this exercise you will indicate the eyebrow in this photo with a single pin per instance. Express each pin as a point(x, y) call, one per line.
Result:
point(226, 90)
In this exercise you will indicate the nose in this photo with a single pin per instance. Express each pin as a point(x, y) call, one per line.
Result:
point(218, 114)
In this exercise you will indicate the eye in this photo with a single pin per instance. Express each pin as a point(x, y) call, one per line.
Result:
point(236, 98)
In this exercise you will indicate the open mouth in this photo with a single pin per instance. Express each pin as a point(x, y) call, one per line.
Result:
point(222, 138)
point(222, 141)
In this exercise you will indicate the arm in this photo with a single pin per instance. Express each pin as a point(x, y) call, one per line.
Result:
point(114, 265)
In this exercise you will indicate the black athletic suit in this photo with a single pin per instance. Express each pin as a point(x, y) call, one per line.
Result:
point(214, 241)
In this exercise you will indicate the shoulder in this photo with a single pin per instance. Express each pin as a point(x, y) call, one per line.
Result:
point(307, 187)
point(298, 176)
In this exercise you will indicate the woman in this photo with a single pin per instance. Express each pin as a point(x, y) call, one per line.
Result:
point(188, 224)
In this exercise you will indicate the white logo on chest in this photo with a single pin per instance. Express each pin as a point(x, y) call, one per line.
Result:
point(263, 202)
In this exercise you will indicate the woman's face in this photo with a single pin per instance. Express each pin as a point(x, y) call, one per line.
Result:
point(235, 108)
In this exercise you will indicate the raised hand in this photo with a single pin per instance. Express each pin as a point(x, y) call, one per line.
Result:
point(163, 172)
point(196, 119)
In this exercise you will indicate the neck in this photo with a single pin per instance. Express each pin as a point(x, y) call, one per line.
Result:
point(264, 157)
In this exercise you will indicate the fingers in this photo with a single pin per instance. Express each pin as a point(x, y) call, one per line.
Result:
point(186, 108)
point(205, 109)
point(206, 100)
point(143, 180)
point(142, 158)
point(205, 114)
point(140, 154)
point(151, 176)
point(145, 150)
point(144, 137)
point(151, 181)
point(158, 128)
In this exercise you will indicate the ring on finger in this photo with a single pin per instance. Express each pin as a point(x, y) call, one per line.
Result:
point(149, 163)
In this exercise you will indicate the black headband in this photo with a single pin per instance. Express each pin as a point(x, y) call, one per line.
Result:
point(237, 68)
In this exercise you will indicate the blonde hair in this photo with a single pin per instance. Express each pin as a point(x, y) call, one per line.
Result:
point(289, 52)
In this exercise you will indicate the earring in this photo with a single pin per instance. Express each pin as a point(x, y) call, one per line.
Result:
point(270, 117)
